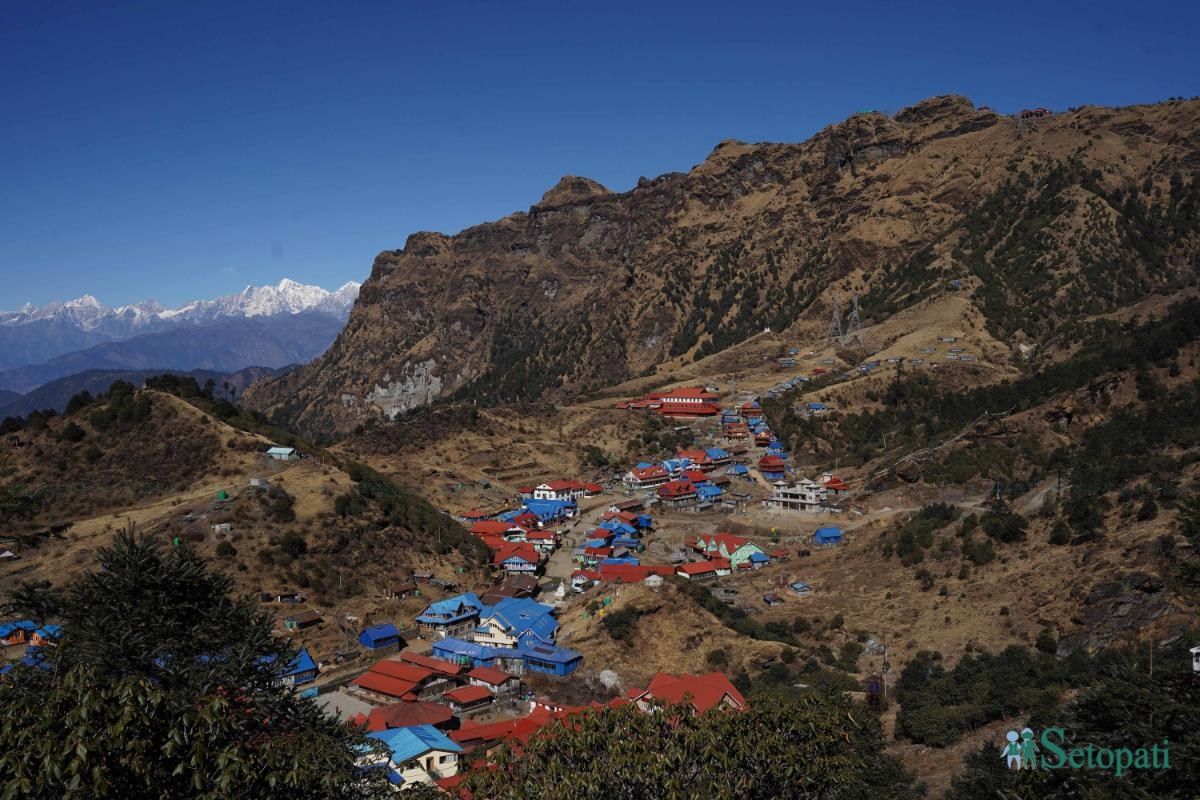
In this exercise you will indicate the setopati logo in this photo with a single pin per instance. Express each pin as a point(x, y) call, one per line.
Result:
point(1023, 751)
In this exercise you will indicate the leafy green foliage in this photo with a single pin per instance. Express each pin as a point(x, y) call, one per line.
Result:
point(783, 746)
point(916, 535)
point(1123, 706)
point(165, 686)
point(399, 506)
point(939, 705)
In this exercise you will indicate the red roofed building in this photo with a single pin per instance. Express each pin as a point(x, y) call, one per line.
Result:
point(687, 401)
point(429, 662)
point(385, 686)
point(496, 681)
point(590, 489)
point(559, 490)
point(704, 570)
point(694, 475)
point(646, 477)
point(632, 573)
point(677, 493)
point(516, 557)
point(702, 692)
point(468, 698)
point(772, 465)
point(404, 715)
point(697, 457)
point(491, 527)
point(835, 486)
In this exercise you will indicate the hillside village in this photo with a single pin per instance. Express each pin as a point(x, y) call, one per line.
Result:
point(839, 507)
point(445, 659)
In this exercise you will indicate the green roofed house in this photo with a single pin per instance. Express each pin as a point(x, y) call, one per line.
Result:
point(738, 550)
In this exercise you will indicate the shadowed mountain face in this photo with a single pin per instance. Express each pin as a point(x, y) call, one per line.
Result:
point(1038, 222)
point(226, 346)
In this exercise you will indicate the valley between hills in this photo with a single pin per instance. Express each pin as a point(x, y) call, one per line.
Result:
point(985, 328)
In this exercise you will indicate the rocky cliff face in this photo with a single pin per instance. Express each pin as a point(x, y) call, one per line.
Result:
point(1041, 221)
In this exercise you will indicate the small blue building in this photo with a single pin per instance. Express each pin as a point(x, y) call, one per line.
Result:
point(302, 670)
point(827, 536)
point(380, 637)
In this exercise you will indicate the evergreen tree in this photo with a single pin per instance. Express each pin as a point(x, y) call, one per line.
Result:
point(163, 686)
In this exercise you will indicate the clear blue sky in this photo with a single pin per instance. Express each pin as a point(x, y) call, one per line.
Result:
point(177, 150)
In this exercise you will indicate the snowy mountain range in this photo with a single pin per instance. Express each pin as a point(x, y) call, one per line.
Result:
point(291, 320)
point(89, 314)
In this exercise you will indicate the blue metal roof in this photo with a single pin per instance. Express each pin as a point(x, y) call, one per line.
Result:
point(28, 625)
point(759, 558)
point(453, 608)
point(708, 491)
point(378, 633)
point(716, 452)
point(414, 741)
point(828, 534)
point(529, 646)
point(302, 663)
point(519, 614)
point(549, 509)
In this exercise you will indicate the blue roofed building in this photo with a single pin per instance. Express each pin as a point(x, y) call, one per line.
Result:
point(827, 536)
point(302, 670)
point(550, 510)
point(17, 631)
point(450, 617)
point(504, 623)
point(415, 754)
point(717, 456)
point(380, 638)
point(531, 654)
point(707, 492)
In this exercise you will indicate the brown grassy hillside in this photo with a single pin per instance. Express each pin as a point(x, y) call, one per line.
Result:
point(1041, 223)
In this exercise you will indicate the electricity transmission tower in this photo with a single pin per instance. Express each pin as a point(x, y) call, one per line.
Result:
point(835, 324)
point(853, 333)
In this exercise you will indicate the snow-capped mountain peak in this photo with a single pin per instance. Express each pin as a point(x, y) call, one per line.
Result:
point(88, 313)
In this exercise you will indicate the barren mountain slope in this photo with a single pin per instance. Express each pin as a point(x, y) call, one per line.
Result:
point(1041, 221)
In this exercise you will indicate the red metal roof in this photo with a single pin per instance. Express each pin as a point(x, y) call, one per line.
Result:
point(489, 675)
point(429, 662)
point(490, 526)
point(690, 409)
point(399, 669)
point(403, 715)
point(468, 694)
point(698, 568)
point(703, 691)
point(772, 463)
point(633, 573)
point(376, 682)
point(676, 489)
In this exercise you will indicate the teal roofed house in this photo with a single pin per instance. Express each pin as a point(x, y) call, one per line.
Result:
point(283, 453)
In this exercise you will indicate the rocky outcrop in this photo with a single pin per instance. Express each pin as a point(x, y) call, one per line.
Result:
point(589, 287)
